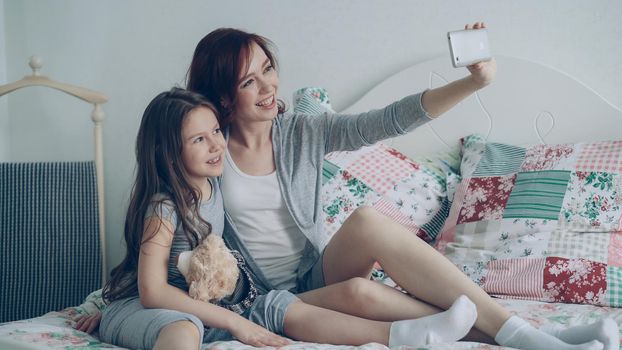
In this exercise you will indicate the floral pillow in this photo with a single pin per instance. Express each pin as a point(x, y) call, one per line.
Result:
point(412, 192)
point(383, 178)
point(540, 223)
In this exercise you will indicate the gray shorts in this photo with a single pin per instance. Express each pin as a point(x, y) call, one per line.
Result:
point(128, 324)
point(313, 279)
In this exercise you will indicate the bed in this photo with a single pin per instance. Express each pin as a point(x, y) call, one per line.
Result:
point(465, 184)
point(52, 230)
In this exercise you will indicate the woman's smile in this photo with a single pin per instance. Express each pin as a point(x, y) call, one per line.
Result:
point(256, 98)
point(267, 103)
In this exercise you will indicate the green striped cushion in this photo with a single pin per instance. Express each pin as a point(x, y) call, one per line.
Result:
point(499, 160)
point(537, 194)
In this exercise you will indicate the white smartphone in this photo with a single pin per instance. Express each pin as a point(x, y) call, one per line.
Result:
point(468, 46)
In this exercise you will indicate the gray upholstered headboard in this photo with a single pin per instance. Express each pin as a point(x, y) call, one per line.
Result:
point(50, 254)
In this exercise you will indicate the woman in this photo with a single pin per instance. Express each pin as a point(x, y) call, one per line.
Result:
point(271, 184)
point(175, 203)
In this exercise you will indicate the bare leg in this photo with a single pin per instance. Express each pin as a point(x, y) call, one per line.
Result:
point(375, 301)
point(310, 323)
point(368, 236)
point(315, 324)
point(368, 299)
point(178, 335)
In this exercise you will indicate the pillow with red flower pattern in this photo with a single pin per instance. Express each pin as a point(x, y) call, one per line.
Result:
point(540, 223)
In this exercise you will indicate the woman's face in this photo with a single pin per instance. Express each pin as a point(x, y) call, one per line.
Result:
point(256, 90)
point(203, 145)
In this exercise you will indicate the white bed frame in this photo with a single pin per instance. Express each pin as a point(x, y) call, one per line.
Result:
point(97, 116)
point(527, 103)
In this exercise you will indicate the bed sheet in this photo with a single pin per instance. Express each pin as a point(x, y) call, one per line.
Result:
point(54, 330)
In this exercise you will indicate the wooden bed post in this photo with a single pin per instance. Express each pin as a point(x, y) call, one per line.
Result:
point(98, 118)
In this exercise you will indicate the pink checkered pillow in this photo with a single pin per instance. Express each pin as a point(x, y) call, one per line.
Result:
point(541, 223)
point(411, 192)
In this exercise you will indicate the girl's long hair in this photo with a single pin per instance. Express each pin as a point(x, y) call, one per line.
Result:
point(218, 61)
point(159, 169)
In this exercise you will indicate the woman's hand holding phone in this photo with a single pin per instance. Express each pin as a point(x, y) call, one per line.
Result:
point(482, 72)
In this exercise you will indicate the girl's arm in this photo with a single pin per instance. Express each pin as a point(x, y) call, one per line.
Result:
point(155, 292)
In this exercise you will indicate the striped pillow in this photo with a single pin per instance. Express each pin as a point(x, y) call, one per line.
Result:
point(540, 223)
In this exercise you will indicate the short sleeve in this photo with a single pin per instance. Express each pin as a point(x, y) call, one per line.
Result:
point(163, 208)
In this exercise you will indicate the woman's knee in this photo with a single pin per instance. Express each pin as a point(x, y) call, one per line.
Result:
point(361, 292)
point(364, 213)
point(364, 219)
point(372, 227)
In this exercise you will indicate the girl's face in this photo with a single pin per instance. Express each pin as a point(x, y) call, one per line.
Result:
point(257, 90)
point(203, 146)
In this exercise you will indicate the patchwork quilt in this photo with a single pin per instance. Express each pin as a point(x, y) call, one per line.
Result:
point(539, 223)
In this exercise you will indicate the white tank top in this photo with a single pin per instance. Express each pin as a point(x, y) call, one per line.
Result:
point(264, 224)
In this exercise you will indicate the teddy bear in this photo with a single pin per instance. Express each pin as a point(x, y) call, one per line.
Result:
point(210, 269)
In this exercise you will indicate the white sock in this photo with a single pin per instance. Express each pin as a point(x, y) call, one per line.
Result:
point(605, 331)
point(448, 326)
point(517, 333)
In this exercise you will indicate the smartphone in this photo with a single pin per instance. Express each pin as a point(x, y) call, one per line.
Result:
point(468, 46)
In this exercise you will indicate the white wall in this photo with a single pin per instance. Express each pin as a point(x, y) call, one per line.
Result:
point(4, 112)
point(133, 49)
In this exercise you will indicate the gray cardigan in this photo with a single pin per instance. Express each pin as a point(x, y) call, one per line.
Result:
point(300, 143)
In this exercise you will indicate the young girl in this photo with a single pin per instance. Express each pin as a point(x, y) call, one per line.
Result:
point(271, 186)
point(175, 203)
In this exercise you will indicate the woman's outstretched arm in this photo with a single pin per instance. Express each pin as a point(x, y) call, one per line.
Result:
point(440, 100)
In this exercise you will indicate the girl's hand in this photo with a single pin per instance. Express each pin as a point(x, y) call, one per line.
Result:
point(88, 323)
point(255, 335)
point(482, 73)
